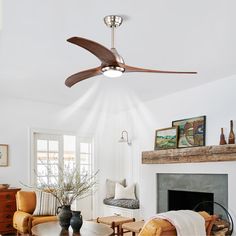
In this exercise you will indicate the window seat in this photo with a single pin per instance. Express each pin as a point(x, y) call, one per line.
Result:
point(123, 203)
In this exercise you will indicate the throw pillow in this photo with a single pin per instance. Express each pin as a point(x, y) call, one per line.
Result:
point(122, 192)
point(111, 185)
point(46, 204)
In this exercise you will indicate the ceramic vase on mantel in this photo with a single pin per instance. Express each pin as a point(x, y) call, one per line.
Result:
point(76, 221)
point(64, 216)
point(231, 134)
point(222, 137)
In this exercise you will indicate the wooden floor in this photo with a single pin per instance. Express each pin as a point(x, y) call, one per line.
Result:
point(126, 234)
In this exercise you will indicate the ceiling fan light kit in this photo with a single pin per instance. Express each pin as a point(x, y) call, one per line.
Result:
point(113, 71)
point(112, 64)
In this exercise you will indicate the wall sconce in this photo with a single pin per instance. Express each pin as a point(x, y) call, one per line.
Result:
point(124, 138)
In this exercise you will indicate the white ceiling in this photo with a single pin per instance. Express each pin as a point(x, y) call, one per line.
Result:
point(191, 35)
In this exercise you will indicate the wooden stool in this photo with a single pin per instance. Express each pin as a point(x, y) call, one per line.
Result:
point(134, 227)
point(115, 222)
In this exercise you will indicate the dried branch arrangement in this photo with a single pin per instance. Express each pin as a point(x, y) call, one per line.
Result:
point(68, 185)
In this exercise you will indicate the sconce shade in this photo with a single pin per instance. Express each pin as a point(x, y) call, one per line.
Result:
point(124, 139)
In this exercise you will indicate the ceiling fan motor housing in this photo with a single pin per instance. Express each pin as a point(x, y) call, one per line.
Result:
point(119, 58)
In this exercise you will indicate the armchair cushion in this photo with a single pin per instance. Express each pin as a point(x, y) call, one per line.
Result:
point(42, 219)
point(46, 204)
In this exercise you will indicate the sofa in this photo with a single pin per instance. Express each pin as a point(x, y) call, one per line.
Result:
point(160, 227)
point(23, 218)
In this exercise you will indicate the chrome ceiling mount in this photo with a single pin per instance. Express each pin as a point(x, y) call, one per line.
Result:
point(113, 21)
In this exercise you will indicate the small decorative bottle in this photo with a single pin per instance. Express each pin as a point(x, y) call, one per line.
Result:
point(222, 137)
point(231, 134)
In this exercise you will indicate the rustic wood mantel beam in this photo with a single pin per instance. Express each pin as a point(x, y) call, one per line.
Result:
point(191, 155)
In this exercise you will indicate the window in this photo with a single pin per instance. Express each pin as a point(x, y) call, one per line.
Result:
point(57, 152)
point(53, 153)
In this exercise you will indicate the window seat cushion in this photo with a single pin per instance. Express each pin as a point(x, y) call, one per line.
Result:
point(124, 203)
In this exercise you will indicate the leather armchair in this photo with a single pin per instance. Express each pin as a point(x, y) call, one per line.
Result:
point(160, 227)
point(23, 219)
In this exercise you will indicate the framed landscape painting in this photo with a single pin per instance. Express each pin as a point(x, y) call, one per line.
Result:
point(3, 155)
point(191, 131)
point(166, 138)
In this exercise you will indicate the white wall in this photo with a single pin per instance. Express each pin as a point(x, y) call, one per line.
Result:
point(215, 100)
point(16, 119)
point(105, 150)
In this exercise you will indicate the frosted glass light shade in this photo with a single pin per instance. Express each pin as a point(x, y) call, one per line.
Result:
point(112, 71)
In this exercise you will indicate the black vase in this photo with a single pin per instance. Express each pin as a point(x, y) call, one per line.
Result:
point(76, 221)
point(64, 216)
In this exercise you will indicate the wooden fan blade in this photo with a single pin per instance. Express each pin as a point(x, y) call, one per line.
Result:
point(136, 69)
point(73, 79)
point(105, 55)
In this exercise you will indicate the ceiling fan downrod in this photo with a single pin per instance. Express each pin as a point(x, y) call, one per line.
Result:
point(113, 21)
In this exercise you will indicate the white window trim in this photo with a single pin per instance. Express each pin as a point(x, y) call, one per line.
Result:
point(79, 140)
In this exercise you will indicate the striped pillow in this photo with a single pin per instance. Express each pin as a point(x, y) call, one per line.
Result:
point(46, 204)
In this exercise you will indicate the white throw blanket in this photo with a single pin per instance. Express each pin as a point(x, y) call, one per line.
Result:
point(186, 222)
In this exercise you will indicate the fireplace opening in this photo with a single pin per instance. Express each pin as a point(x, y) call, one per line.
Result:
point(188, 200)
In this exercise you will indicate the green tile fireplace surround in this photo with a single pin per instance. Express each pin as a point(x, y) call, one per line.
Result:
point(191, 155)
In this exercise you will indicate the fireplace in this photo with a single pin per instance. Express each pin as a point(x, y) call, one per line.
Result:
point(190, 189)
point(189, 200)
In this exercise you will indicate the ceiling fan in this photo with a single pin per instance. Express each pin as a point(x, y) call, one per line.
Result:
point(112, 64)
